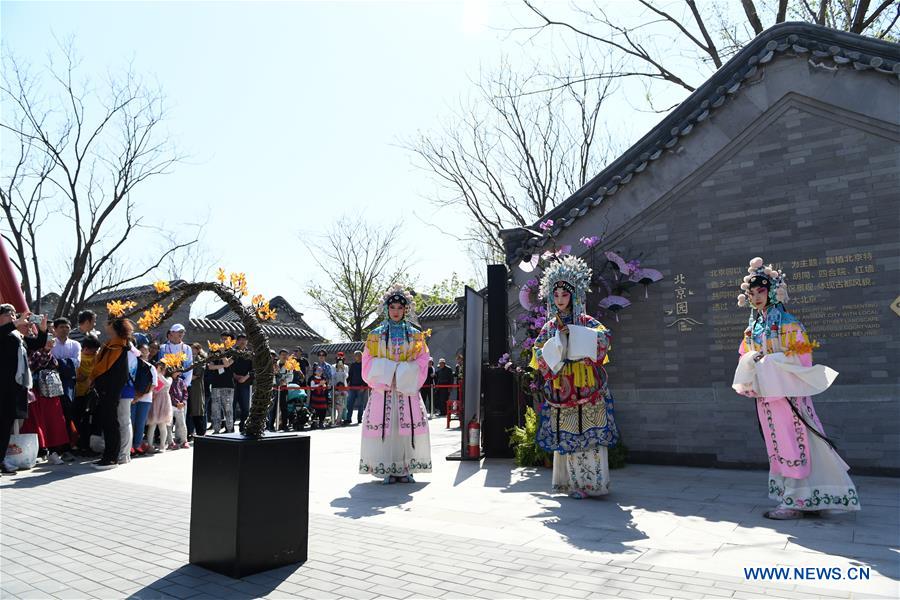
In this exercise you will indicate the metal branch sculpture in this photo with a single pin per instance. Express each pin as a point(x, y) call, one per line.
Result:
point(250, 317)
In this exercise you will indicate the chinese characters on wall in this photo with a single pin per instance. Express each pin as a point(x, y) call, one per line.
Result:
point(682, 293)
point(812, 283)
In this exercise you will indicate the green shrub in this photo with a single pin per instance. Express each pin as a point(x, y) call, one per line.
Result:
point(524, 443)
point(617, 455)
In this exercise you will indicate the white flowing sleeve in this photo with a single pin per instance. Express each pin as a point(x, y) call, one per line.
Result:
point(382, 372)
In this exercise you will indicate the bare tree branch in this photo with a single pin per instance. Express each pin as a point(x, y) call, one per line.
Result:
point(752, 17)
point(358, 260)
point(517, 152)
point(89, 152)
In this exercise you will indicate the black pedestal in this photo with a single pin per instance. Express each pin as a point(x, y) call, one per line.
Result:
point(249, 503)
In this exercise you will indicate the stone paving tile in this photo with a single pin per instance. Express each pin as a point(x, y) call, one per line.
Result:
point(409, 552)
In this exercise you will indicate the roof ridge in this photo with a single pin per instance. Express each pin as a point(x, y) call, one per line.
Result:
point(842, 49)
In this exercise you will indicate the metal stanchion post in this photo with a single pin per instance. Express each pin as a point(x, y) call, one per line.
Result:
point(432, 401)
point(333, 401)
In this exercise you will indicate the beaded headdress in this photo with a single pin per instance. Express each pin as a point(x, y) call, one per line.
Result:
point(571, 274)
point(766, 276)
point(399, 295)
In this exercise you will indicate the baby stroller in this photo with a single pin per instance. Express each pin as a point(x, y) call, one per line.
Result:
point(298, 414)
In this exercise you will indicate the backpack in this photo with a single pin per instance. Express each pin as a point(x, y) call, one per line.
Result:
point(143, 379)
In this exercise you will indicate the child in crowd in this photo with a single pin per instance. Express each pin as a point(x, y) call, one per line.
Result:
point(340, 396)
point(178, 393)
point(318, 396)
point(145, 381)
point(84, 407)
point(160, 417)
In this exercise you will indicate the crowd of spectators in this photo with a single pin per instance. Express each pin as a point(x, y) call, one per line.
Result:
point(113, 398)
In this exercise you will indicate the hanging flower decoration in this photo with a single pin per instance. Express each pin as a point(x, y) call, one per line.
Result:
point(151, 317)
point(528, 294)
point(220, 276)
point(228, 344)
point(291, 364)
point(546, 225)
point(117, 308)
point(263, 311)
point(162, 287)
point(590, 242)
point(239, 284)
point(174, 361)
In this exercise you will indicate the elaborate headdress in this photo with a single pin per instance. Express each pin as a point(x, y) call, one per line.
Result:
point(399, 295)
point(571, 274)
point(766, 276)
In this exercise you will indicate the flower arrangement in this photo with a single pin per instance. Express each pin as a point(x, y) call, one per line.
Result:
point(230, 288)
point(174, 361)
point(117, 309)
point(228, 344)
point(291, 364)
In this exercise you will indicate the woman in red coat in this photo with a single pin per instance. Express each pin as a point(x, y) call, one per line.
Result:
point(45, 415)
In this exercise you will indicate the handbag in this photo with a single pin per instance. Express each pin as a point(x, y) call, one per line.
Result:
point(50, 383)
point(22, 450)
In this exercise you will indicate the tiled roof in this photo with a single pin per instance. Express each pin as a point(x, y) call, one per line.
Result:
point(278, 303)
point(818, 45)
point(345, 347)
point(132, 292)
point(288, 317)
point(218, 326)
point(438, 312)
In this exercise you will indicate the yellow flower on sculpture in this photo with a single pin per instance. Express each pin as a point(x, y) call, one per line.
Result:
point(291, 364)
point(151, 317)
point(174, 361)
point(218, 347)
point(221, 275)
point(427, 333)
point(162, 287)
point(117, 308)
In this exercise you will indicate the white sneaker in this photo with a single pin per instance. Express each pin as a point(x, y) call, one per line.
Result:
point(54, 459)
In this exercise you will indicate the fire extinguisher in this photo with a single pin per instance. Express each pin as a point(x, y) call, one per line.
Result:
point(474, 447)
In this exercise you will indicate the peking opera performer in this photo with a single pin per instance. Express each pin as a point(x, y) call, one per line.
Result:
point(577, 422)
point(395, 439)
point(806, 475)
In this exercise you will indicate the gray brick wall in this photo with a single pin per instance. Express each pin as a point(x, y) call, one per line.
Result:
point(803, 188)
point(804, 165)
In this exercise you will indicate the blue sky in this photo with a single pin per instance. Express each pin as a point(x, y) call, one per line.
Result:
point(291, 114)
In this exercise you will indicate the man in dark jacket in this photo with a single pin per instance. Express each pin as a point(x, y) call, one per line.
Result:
point(355, 397)
point(17, 338)
point(442, 376)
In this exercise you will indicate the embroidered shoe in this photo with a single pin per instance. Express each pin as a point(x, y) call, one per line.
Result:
point(783, 514)
point(577, 495)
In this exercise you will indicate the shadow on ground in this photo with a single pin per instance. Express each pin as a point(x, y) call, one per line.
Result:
point(183, 583)
point(373, 497)
point(643, 499)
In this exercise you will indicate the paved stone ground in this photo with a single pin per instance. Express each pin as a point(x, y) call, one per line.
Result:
point(461, 532)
